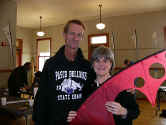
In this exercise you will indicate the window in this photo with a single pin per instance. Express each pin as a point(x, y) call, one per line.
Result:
point(95, 41)
point(42, 59)
point(99, 39)
point(43, 52)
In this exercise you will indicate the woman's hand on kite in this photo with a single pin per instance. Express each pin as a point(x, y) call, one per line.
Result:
point(116, 108)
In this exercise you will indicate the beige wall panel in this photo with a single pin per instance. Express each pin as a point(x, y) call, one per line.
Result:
point(146, 52)
point(8, 10)
point(26, 36)
point(4, 78)
point(6, 58)
point(121, 55)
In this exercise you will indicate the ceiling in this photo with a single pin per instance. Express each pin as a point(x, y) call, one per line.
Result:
point(56, 12)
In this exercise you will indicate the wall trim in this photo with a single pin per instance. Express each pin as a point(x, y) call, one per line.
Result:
point(5, 70)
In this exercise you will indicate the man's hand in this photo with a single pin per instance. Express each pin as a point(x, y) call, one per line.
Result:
point(71, 116)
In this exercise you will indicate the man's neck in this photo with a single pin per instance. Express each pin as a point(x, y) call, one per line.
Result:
point(70, 53)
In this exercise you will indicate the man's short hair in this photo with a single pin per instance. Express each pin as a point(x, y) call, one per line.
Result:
point(74, 21)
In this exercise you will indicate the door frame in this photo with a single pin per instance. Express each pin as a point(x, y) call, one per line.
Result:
point(96, 45)
point(19, 48)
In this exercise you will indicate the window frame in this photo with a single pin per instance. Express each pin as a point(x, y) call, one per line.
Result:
point(96, 45)
point(37, 53)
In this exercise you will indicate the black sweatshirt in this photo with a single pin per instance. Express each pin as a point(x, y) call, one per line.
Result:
point(61, 88)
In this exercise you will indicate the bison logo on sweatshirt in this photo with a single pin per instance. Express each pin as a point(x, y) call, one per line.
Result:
point(69, 86)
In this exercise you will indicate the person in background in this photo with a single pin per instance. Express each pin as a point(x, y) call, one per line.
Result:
point(127, 62)
point(35, 83)
point(37, 78)
point(124, 108)
point(62, 80)
point(18, 79)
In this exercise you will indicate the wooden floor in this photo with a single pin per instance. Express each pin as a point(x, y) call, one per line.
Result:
point(148, 114)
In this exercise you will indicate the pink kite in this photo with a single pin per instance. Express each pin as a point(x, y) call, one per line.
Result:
point(93, 112)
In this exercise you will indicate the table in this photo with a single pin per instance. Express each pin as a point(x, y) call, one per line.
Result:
point(15, 111)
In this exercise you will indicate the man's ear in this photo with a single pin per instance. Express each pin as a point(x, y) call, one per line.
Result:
point(64, 36)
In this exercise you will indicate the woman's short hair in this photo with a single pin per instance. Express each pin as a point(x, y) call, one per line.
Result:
point(105, 52)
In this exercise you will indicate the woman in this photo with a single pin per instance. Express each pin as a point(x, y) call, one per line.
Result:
point(124, 108)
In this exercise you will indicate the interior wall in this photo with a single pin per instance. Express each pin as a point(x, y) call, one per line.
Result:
point(26, 35)
point(8, 11)
point(149, 29)
point(56, 35)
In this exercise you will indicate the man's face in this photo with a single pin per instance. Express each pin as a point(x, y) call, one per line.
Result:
point(73, 36)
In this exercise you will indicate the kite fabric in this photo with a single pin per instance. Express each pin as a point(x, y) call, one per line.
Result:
point(93, 111)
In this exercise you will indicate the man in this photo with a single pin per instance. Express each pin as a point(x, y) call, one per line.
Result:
point(18, 79)
point(62, 80)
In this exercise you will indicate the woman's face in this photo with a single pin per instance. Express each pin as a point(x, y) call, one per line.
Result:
point(102, 66)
